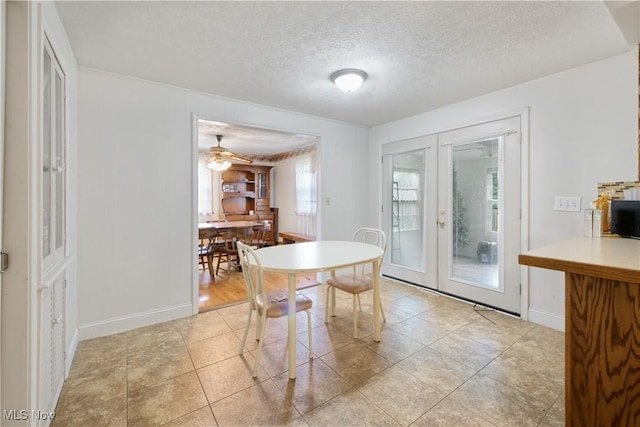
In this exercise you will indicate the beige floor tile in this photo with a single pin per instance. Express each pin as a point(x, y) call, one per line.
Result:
point(350, 408)
point(99, 352)
point(393, 345)
point(448, 318)
point(261, 405)
point(214, 349)
point(326, 339)
point(448, 413)
point(275, 356)
point(437, 370)
point(205, 325)
point(491, 334)
point(414, 304)
point(355, 362)
point(156, 364)
point(203, 417)
point(542, 382)
point(401, 395)
point(365, 324)
point(419, 330)
point(273, 333)
point(228, 376)
point(498, 403)
point(554, 418)
point(166, 401)
point(156, 336)
point(235, 316)
point(329, 390)
point(90, 388)
point(465, 350)
point(529, 345)
point(110, 413)
point(298, 422)
point(509, 322)
point(314, 385)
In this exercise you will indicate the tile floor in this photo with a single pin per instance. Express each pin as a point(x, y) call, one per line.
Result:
point(439, 363)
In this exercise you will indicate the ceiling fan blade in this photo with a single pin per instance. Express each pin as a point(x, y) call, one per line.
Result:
point(238, 158)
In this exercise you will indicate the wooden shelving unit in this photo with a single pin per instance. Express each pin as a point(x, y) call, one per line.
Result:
point(245, 189)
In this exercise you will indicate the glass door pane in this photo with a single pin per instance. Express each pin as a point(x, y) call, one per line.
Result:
point(46, 155)
point(474, 213)
point(407, 214)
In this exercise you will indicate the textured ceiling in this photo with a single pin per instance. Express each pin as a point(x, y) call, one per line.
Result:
point(419, 55)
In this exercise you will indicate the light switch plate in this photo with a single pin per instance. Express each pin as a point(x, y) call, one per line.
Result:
point(567, 204)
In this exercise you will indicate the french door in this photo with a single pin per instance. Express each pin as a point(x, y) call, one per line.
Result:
point(410, 201)
point(452, 211)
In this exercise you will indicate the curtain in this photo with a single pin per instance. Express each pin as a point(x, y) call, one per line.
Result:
point(205, 204)
point(306, 195)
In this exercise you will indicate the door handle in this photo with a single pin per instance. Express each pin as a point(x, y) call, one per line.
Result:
point(441, 223)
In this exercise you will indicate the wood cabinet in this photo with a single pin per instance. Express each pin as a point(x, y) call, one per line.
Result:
point(602, 329)
point(246, 196)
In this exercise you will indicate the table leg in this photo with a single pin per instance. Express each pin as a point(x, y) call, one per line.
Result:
point(376, 300)
point(291, 342)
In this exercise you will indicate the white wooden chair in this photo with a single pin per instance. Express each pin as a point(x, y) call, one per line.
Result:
point(357, 282)
point(266, 304)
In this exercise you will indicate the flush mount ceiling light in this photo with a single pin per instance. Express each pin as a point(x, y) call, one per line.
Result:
point(349, 79)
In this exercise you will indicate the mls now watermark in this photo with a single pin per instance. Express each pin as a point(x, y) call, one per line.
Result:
point(23, 415)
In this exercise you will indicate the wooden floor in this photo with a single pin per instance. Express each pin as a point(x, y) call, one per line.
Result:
point(229, 289)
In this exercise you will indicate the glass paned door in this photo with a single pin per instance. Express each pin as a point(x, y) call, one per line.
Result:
point(409, 200)
point(479, 213)
point(53, 179)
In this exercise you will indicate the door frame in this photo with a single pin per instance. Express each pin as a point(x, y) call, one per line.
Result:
point(524, 114)
point(195, 288)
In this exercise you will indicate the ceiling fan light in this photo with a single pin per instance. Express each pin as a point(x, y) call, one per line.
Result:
point(349, 79)
point(218, 164)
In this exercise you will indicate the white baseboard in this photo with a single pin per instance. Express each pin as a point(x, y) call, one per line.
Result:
point(71, 352)
point(549, 320)
point(132, 321)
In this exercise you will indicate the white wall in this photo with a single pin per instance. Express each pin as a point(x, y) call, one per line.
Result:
point(583, 130)
point(136, 212)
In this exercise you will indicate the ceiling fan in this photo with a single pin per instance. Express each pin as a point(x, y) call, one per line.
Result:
point(221, 158)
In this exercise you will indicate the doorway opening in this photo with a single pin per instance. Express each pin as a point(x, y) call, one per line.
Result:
point(250, 201)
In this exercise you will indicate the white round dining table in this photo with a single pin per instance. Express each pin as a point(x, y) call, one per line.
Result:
point(313, 257)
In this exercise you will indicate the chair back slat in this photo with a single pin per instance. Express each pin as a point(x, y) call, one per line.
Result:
point(250, 264)
point(372, 236)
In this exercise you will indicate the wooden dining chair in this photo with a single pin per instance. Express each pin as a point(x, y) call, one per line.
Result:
point(357, 282)
point(228, 251)
point(267, 305)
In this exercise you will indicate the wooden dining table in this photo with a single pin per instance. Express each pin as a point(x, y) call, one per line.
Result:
point(210, 230)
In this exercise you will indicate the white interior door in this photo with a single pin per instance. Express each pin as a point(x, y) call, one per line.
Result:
point(409, 204)
point(451, 212)
point(479, 213)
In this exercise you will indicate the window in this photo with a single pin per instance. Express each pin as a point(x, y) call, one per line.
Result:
point(205, 198)
point(306, 195)
point(406, 199)
point(53, 179)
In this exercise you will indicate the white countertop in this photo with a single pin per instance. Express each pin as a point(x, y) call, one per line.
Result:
point(601, 257)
